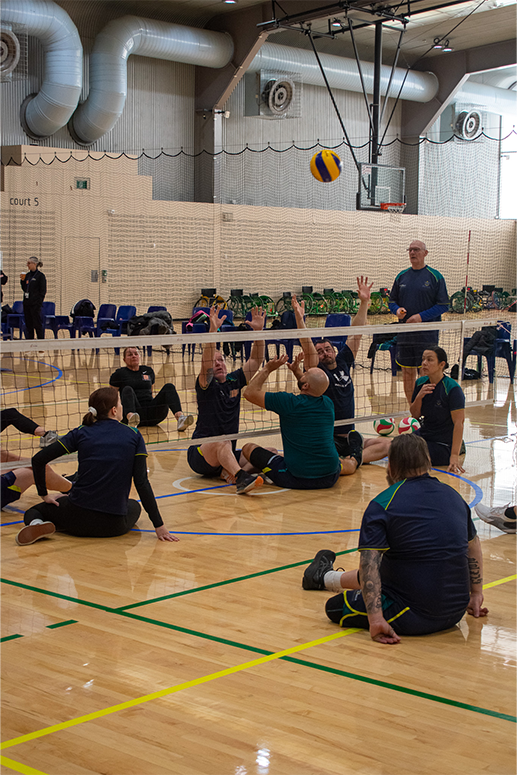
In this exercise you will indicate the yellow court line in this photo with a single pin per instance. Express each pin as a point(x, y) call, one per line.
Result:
point(501, 581)
point(18, 767)
point(173, 689)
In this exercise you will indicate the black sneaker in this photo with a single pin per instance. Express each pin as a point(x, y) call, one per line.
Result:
point(315, 573)
point(246, 482)
point(356, 444)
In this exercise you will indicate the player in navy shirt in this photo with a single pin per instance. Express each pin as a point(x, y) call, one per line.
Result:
point(418, 295)
point(111, 456)
point(439, 403)
point(421, 566)
point(219, 404)
point(337, 366)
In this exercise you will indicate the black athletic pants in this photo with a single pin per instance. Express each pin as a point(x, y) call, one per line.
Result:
point(33, 321)
point(157, 410)
point(72, 519)
point(21, 423)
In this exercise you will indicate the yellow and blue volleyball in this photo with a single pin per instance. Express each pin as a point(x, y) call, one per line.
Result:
point(408, 425)
point(326, 166)
point(385, 426)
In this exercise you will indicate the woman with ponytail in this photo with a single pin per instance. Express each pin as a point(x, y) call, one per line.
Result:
point(110, 456)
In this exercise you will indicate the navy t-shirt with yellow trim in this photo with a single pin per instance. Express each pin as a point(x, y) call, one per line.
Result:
point(423, 527)
point(106, 453)
point(436, 420)
point(219, 405)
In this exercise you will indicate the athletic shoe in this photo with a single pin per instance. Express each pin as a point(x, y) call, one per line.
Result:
point(33, 532)
point(134, 420)
point(496, 517)
point(48, 438)
point(356, 444)
point(184, 421)
point(314, 575)
point(246, 482)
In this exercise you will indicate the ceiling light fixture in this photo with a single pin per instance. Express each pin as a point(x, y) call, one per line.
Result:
point(230, 2)
point(437, 43)
point(336, 23)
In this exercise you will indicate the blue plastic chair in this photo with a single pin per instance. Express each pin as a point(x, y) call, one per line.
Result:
point(105, 318)
point(502, 349)
point(337, 320)
point(16, 319)
point(48, 316)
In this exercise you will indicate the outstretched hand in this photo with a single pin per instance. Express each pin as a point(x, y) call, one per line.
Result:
point(296, 365)
point(258, 319)
point(215, 319)
point(364, 291)
point(298, 308)
point(276, 363)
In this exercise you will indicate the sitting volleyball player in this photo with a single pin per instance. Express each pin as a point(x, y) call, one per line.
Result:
point(219, 402)
point(310, 460)
point(337, 366)
point(135, 383)
point(111, 456)
point(420, 564)
point(438, 402)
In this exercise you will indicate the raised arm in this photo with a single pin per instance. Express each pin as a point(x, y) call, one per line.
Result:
point(475, 559)
point(206, 374)
point(369, 572)
point(254, 392)
point(364, 293)
point(310, 354)
point(253, 364)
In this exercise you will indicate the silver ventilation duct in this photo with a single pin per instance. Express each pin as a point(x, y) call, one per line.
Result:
point(144, 37)
point(490, 98)
point(46, 112)
point(342, 73)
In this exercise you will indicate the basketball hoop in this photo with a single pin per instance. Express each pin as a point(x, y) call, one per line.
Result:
point(393, 207)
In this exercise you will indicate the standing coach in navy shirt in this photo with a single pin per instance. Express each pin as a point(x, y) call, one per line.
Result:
point(419, 295)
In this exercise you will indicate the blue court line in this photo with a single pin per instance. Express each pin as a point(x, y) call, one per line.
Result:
point(42, 384)
point(477, 498)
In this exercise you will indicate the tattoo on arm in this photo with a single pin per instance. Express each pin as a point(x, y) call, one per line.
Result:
point(476, 576)
point(209, 376)
point(371, 580)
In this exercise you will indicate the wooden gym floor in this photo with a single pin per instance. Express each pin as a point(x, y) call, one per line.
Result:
point(128, 656)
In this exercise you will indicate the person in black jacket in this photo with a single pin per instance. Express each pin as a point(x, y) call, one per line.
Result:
point(3, 280)
point(34, 287)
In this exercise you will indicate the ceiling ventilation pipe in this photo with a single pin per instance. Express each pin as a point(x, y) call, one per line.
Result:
point(42, 114)
point(147, 38)
point(342, 73)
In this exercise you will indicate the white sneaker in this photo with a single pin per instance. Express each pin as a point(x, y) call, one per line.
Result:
point(496, 516)
point(184, 421)
point(48, 438)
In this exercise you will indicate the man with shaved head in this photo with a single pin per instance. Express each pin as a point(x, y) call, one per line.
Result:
point(310, 460)
point(419, 295)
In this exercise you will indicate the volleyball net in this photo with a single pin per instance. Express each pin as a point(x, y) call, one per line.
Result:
point(50, 380)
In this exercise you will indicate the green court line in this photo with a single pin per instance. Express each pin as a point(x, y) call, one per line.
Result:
point(10, 637)
point(57, 594)
point(219, 584)
point(256, 650)
point(61, 624)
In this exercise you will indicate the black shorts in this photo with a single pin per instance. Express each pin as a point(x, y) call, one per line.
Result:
point(349, 610)
point(411, 346)
point(9, 492)
point(275, 468)
point(199, 465)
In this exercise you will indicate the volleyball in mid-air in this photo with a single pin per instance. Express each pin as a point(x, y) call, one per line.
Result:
point(385, 426)
point(408, 425)
point(326, 166)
